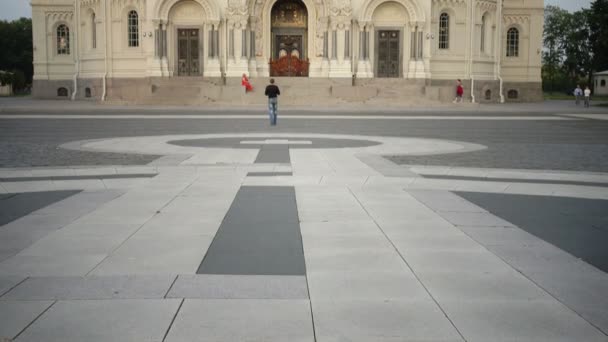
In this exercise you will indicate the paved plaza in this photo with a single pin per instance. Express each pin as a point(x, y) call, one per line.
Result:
point(437, 224)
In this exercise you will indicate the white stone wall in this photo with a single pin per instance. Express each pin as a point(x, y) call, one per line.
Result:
point(417, 21)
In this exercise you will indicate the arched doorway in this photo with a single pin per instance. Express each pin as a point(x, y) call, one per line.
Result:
point(186, 19)
point(289, 39)
point(390, 21)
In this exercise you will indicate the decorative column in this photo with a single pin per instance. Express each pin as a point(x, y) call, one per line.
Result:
point(252, 65)
point(237, 26)
point(364, 65)
point(416, 67)
point(340, 64)
point(212, 69)
point(158, 66)
point(323, 37)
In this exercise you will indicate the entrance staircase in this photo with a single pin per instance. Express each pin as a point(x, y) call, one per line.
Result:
point(295, 91)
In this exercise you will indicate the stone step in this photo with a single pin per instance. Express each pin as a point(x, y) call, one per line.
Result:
point(294, 91)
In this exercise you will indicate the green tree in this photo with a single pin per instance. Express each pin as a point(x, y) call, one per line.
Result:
point(556, 22)
point(598, 24)
point(578, 57)
point(16, 46)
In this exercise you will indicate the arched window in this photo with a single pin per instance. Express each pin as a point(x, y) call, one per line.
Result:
point(483, 33)
point(603, 83)
point(87, 92)
point(513, 94)
point(63, 40)
point(488, 94)
point(444, 31)
point(513, 42)
point(93, 32)
point(133, 28)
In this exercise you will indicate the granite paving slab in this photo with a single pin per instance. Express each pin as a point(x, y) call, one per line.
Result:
point(381, 320)
point(229, 320)
point(519, 320)
point(103, 320)
point(93, 287)
point(220, 286)
point(17, 315)
point(14, 206)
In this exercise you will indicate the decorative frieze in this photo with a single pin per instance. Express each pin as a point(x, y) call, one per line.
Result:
point(237, 14)
point(516, 19)
point(486, 5)
point(340, 15)
point(449, 3)
point(59, 15)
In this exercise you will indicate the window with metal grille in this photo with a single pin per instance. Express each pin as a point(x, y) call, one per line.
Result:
point(133, 28)
point(62, 92)
point(63, 40)
point(444, 31)
point(513, 42)
point(93, 32)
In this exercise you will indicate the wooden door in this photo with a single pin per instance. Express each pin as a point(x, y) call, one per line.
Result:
point(388, 53)
point(188, 60)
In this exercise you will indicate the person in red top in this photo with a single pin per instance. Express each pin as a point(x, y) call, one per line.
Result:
point(245, 83)
point(459, 92)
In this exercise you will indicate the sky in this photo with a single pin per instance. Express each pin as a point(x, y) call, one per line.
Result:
point(14, 9)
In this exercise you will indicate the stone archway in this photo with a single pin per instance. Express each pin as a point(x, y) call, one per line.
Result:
point(289, 39)
point(317, 25)
point(210, 8)
point(414, 10)
point(188, 37)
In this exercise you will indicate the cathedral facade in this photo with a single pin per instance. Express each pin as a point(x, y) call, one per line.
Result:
point(105, 49)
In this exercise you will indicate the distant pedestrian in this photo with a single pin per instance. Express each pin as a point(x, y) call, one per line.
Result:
point(578, 94)
point(587, 96)
point(245, 83)
point(459, 92)
point(273, 92)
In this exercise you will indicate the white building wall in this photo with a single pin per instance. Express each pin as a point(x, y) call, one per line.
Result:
point(112, 58)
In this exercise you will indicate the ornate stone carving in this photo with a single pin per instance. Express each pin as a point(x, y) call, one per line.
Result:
point(341, 14)
point(237, 16)
point(515, 19)
point(450, 3)
point(486, 5)
point(60, 15)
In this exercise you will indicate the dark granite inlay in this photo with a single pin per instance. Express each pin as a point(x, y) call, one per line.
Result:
point(273, 154)
point(260, 235)
point(14, 206)
point(578, 226)
point(60, 178)
point(269, 174)
point(516, 180)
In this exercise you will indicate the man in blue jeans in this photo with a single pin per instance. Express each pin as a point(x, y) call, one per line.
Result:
point(273, 92)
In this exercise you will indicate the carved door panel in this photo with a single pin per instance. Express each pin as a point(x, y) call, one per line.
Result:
point(288, 56)
point(388, 53)
point(288, 45)
point(188, 60)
